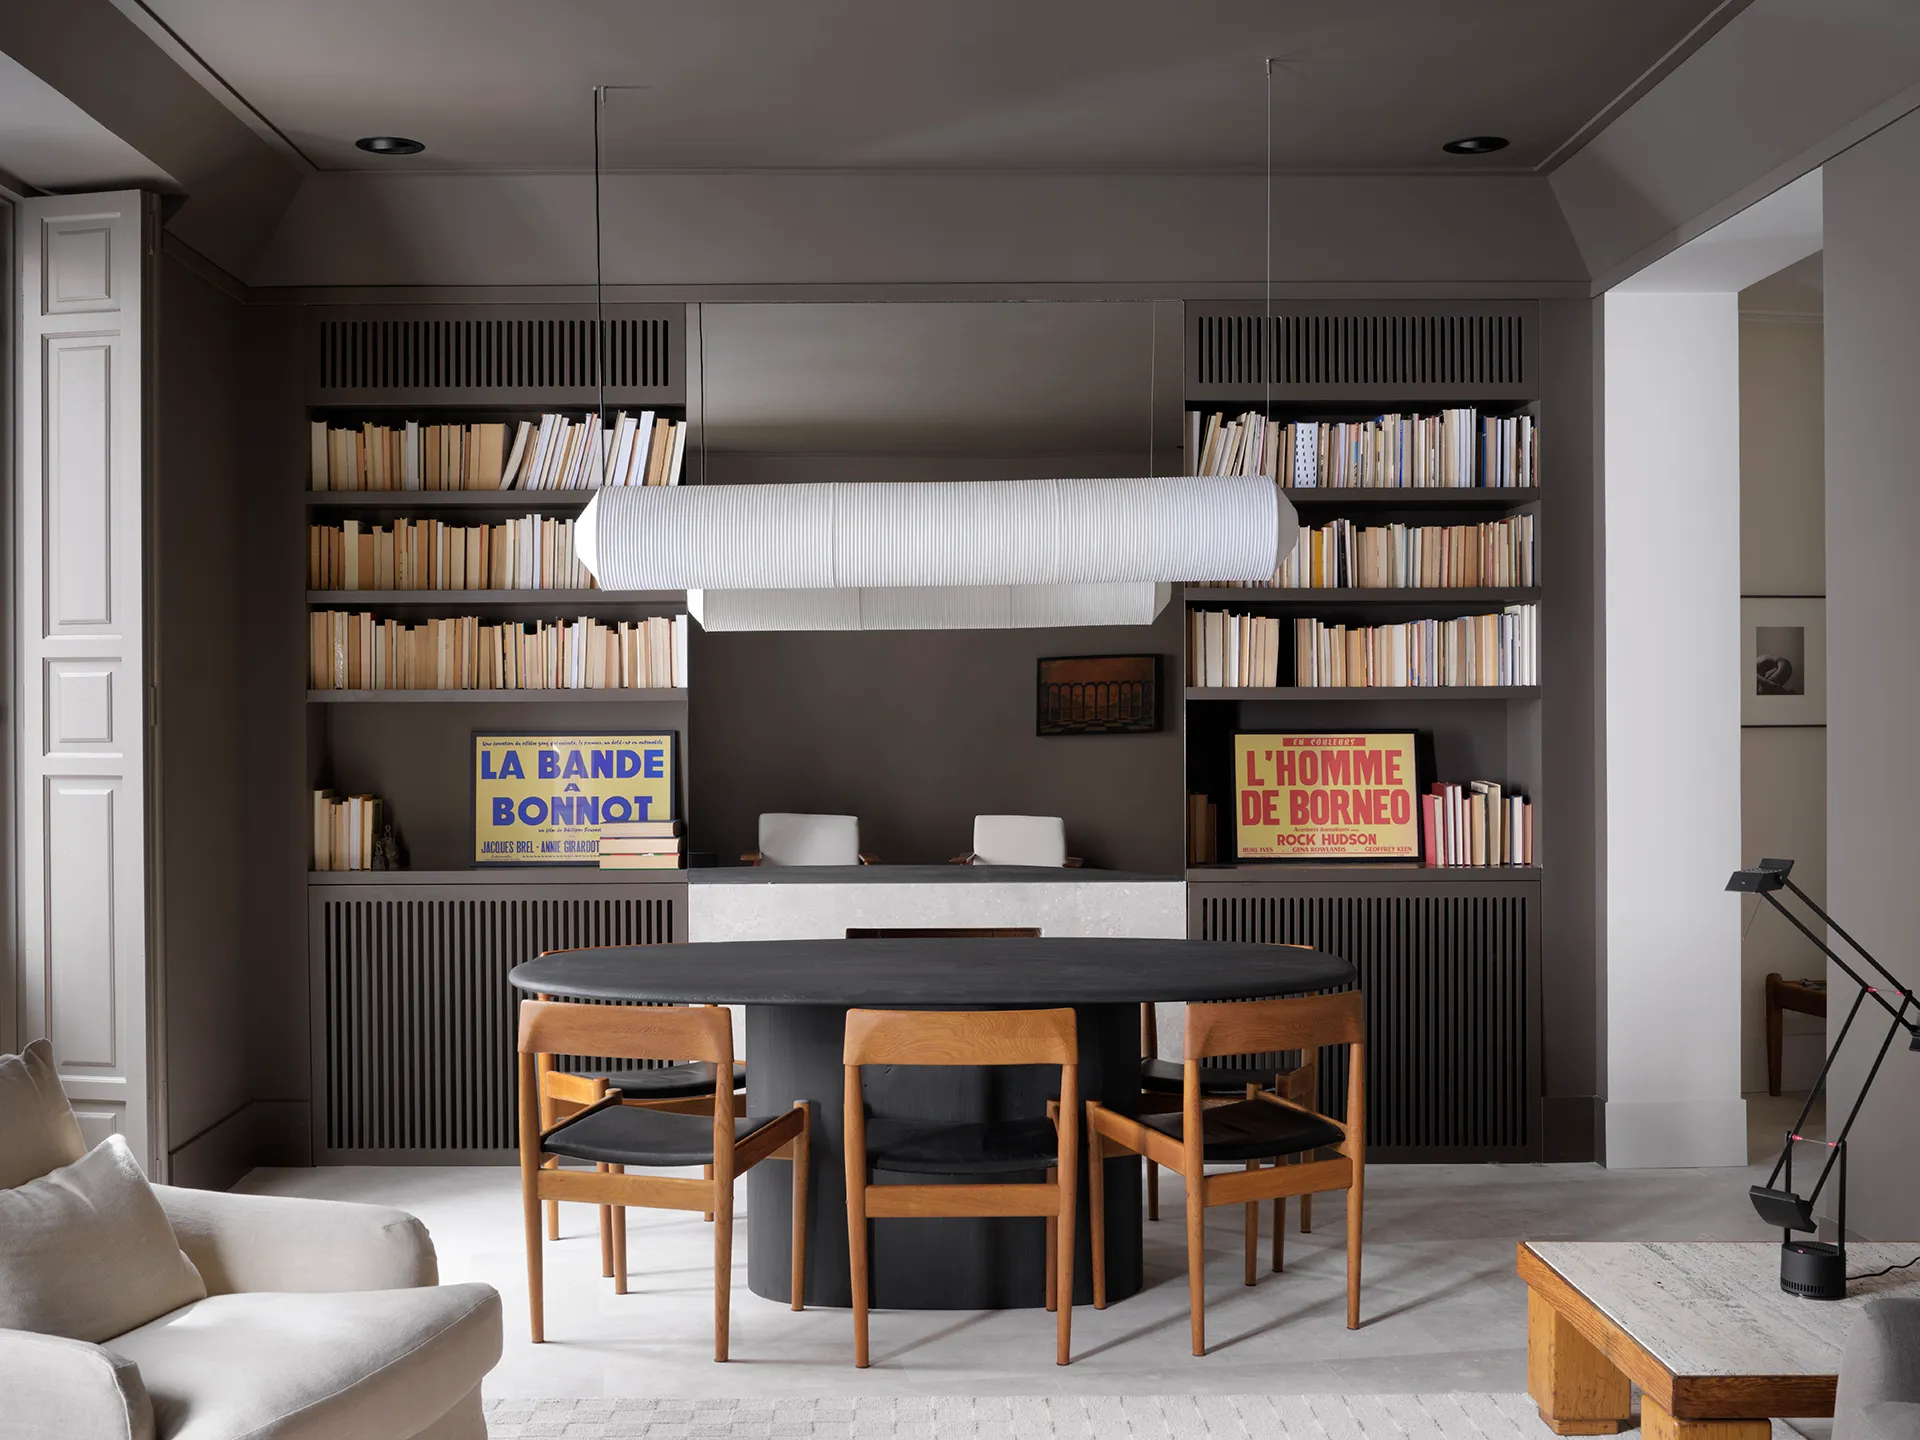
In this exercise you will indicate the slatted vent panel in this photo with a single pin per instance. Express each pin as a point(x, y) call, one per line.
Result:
point(491, 354)
point(419, 1022)
point(1464, 352)
point(1446, 985)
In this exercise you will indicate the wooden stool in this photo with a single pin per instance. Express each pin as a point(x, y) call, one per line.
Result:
point(1807, 997)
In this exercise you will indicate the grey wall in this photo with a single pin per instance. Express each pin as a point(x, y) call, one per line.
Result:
point(1064, 232)
point(1873, 594)
point(202, 828)
point(1783, 793)
point(1785, 85)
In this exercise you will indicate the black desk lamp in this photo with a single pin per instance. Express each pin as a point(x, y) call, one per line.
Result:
point(1814, 1269)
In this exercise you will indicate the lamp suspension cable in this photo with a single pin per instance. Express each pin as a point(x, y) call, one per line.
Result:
point(1267, 346)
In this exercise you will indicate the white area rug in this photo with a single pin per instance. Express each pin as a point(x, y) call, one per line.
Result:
point(1027, 1417)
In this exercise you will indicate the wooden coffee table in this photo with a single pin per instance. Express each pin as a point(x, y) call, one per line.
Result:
point(1703, 1329)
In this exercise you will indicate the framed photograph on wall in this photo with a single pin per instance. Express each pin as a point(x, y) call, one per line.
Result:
point(1784, 666)
point(540, 797)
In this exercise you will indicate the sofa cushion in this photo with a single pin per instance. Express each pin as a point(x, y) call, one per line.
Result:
point(86, 1251)
point(37, 1130)
point(303, 1367)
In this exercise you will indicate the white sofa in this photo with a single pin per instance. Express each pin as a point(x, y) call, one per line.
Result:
point(322, 1320)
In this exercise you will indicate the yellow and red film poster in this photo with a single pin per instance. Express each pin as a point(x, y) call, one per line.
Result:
point(1325, 797)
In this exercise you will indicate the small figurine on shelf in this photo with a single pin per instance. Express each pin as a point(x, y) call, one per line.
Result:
point(387, 854)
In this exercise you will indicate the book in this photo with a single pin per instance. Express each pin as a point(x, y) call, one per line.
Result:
point(557, 452)
point(1455, 448)
point(529, 552)
point(359, 651)
point(1498, 649)
point(1233, 651)
point(1340, 555)
point(656, 845)
point(346, 831)
point(641, 829)
point(640, 862)
point(1479, 824)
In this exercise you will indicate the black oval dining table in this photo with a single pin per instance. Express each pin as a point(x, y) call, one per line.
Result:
point(796, 994)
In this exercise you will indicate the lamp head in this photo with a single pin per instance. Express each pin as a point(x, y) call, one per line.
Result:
point(1767, 875)
point(1782, 1209)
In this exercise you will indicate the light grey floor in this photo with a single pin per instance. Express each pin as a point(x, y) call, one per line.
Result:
point(1442, 1310)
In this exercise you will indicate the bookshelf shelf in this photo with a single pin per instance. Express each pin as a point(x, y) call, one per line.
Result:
point(1406, 497)
point(1372, 595)
point(642, 696)
point(534, 599)
point(448, 499)
point(1366, 692)
point(498, 875)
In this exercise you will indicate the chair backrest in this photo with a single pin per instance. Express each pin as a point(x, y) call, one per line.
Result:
point(1020, 840)
point(961, 1037)
point(627, 1032)
point(1249, 1027)
point(787, 839)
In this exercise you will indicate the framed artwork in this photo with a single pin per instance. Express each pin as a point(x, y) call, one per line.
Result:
point(1326, 797)
point(1099, 695)
point(540, 797)
point(1784, 665)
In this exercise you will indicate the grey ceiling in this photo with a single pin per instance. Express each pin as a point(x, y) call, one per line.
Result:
point(1366, 85)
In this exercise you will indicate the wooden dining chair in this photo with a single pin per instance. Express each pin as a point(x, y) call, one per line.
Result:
point(1160, 1088)
point(614, 1136)
point(983, 1153)
point(1309, 1151)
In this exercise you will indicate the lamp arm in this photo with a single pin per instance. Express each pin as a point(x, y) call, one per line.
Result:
point(1835, 956)
point(1837, 1144)
point(1819, 1082)
point(1865, 954)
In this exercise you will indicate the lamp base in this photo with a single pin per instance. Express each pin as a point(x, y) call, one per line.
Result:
point(1813, 1270)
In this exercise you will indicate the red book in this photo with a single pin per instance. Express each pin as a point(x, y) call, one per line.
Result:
point(1430, 827)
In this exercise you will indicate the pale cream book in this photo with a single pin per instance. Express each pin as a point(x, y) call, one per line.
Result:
point(640, 862)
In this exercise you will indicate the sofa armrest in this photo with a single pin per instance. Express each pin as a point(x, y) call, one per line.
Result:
point(244, 1243)
point(55, 1386)
point(1881, 1363)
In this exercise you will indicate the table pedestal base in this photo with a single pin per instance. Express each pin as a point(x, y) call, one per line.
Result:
point(794, 1053)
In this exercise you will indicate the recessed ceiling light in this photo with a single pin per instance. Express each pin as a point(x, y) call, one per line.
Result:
point(1476, 145)
point(400, 145)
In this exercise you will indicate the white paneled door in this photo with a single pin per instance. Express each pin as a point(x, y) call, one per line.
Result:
point(82, 719)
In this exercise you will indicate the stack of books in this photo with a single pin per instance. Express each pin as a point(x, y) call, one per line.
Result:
point(1341, 556)
point(463, 652)
point(345, 832)
point(533, 552)
point(1232, 652)
point(1476, 824)
point(1203, 831)
point(642, 845)
point(555, 453)
point(1502, 649)
point(1454, 449)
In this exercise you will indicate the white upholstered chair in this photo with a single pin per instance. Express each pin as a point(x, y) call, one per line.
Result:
point(319, 1319)
point(1019, 840)
point(787, 839)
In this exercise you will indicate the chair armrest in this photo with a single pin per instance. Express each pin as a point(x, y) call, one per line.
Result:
point(866, 859)
point(248, 1243)
point(55, 1386)
point(751, 857)
point(966, 859)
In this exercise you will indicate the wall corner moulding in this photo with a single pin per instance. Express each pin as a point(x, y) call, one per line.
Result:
point(935, 556)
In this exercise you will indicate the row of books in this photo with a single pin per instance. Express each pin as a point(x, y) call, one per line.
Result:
point(1226, 651)
point(1454, 449)
point(1478, 823)
point(1495, 649)
point(534, 552)
point(359, 652)
point(1339, 555)
point(347, 832)
point(555, 453)
point(643, 845)
point(1203, 831)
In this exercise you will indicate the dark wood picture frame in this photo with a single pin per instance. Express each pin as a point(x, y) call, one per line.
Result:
point(474, 861)
point(1098, 695)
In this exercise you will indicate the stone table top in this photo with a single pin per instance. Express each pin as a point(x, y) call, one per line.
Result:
point(1717, 1309)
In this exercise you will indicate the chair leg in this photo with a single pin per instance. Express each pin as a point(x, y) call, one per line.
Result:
point(553, 1206)
point(606, 1231)
point(1053, 1251)
point(801, 1146)
point(1197, 1258)
point(1063, 1318)
point(722, 1269)
point(1353, 1252)
point(1253, 1231)
point(707, 1170)
point(1279, 1233)
point(1097, 1214)
point(619, 1216)
point(857, 1260)
point(1306, 1214)
point(536, 1293)
point(1153, 1191)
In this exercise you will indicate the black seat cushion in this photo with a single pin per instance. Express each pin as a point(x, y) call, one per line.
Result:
point(1253, 1130)
point(1168, 1077)
point(666, 1082)
point(932, 1147)
point(622, 1135)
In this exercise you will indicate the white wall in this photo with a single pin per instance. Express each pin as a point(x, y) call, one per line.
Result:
point(1671, 434)
point(1783, 807)
point(1873, 594)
